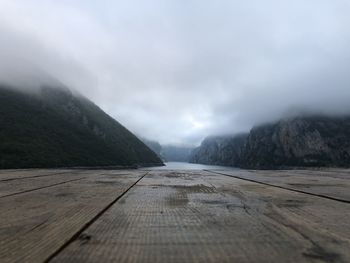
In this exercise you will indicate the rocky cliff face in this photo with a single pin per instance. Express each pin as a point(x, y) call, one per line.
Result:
point(300, 141)
point(313, 141)
point(219, 150)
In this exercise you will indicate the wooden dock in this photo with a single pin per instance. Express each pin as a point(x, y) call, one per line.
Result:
point(174, 216)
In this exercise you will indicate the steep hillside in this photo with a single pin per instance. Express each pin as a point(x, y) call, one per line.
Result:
point(169, 153)
point(300, 141)
point(52, 127)
point(308, 141)
point(154, 146)
point(219, 150)
point(172, 153)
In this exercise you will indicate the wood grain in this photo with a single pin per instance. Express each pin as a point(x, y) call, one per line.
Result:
point(28, 184)
point(205, 217)
point(174, 216)
point(36, 224)
point(331, 184)
point(10, 175)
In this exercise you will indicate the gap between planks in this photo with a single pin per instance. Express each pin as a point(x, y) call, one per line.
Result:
point(89, 223)
point(35, 176)
point(282, 187)
point(43, 187)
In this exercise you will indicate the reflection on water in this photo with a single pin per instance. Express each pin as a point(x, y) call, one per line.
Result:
point(189, 166)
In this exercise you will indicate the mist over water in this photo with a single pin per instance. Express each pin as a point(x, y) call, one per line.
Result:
point(177, 71)
point(190, 166)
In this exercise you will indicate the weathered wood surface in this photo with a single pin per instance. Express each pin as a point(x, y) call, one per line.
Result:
point(328, 183)
point(33, 225)
point(32, 183)
point(176, 216)
point(10, 175)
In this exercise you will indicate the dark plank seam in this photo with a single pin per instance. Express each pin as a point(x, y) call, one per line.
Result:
point(89, 223)
point(43, 187)
point(284, 188)
point(35, 176)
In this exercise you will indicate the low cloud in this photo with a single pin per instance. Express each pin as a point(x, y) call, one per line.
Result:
point(177, 71)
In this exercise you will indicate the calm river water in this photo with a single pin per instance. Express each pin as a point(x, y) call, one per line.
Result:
point(189, 166)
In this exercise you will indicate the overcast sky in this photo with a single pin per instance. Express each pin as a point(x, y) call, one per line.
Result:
point(178, 70)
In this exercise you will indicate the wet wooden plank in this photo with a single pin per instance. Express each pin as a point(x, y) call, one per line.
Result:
point(9, 175)
point(330, 172)
point(325, 183)
point(27, 184)
point(32, 183)
point(36, 224)
point(204, 217)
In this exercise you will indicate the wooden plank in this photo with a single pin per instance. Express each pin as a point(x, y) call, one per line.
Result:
point(32, 183)
point(8, 175)
point(36, 224)
point(307, 181)
point(334, 173)
point(13, 187)
point(331, 171)
point(190, 217)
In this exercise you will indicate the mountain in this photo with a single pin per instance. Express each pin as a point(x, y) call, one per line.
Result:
point(54, 127)
point(172, 153)
point(303, 141)
point(169, 153)
point(299, 141)
point(219, 150)
point(154, 146)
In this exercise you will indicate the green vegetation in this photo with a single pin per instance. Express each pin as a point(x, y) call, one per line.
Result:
point(51, 127)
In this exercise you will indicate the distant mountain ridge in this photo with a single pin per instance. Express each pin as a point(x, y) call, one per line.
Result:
point(154, 146)
point(52, 127)
point(219, 150)
point(173, 153)
point(303, 141)
point(170, 153)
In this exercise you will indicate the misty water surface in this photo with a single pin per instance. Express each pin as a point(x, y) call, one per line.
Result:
point(190, 166)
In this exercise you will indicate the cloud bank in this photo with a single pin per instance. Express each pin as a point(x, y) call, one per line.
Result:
point(177, 71)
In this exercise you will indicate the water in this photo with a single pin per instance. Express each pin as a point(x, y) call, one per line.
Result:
point(189, 166)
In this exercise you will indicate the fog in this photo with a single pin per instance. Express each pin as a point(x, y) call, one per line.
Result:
point(177, 71)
